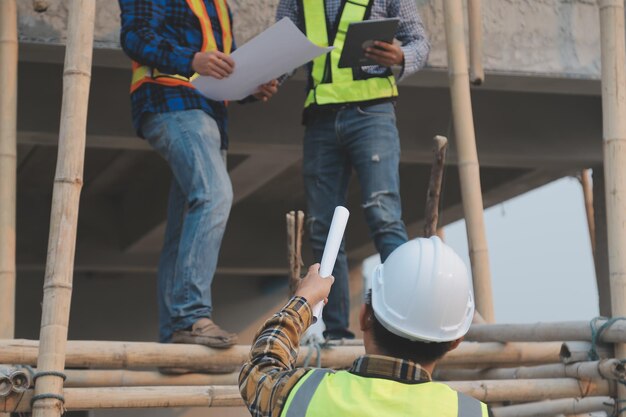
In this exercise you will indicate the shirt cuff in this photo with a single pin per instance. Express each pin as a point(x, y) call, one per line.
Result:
point(302, 309)
point(409, 62)
point(184, 63)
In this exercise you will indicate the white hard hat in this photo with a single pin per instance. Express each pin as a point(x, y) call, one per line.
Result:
point(423, 292)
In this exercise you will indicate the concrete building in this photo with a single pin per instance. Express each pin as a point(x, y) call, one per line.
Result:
point(537, 117)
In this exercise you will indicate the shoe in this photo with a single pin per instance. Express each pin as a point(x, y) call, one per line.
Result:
point(338, 334)
point(205, 332)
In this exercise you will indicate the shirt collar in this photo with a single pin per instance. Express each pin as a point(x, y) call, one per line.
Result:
point(377, 366)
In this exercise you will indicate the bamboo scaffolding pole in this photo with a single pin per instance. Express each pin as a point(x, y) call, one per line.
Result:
point(606, 369)
point(228, 396)
point(136, 397)
point(475, 19)
point(585, 181)
point(8, 164)
point(567, 406)
point(613, 62)
point(546, 332)
point(469, 170)
point(123, 378)
point(524, 390)
point(104, 354)
point(65, 199)
point(440, 146)
point(572, 352)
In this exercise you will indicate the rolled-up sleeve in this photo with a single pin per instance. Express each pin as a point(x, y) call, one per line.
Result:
point(269, 375)
point(411, 34)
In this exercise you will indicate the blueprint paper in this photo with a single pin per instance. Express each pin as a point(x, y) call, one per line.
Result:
point(276, 51)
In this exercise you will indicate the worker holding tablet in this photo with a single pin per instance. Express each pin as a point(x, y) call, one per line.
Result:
point(350, 122)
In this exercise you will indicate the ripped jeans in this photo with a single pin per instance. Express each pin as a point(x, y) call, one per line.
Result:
point(366, 139)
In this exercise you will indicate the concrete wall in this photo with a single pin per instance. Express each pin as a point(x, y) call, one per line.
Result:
point(554, 37)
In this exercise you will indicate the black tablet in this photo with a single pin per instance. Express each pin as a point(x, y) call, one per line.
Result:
point(362, 35)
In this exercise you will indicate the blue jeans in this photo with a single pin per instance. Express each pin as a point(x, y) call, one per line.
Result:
point(199, 204)
point(366, 139)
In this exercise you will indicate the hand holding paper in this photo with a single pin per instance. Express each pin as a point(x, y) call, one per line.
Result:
point(333, 242)
point(276, 51)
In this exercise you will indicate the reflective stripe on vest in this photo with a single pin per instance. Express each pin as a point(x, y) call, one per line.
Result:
point(143, 73)
point(340, 86)
point(323, 393)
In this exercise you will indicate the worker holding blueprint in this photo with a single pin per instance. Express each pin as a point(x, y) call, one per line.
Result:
point(172, 42)
point(350, 123)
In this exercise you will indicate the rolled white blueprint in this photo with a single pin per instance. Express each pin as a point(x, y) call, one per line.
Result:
point(333, 242)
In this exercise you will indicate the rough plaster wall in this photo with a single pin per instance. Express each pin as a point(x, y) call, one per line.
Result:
point(559, 37)
point(544, 36)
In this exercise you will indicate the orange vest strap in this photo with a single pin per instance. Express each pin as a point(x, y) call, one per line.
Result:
point(144, 74)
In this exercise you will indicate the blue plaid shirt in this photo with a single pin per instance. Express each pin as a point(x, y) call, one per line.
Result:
point(166, 34)
point(410, 33)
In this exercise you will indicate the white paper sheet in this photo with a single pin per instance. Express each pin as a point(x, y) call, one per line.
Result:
point(331, 249)
point(276, 51)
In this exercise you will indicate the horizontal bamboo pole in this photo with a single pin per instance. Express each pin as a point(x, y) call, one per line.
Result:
point(607, 369)
point(105, 354)
point(581, 351)
point(123, 378)
point(228, 396)
point(135, 397)
point(567, 406)
point(525, 390)
point(544, 332)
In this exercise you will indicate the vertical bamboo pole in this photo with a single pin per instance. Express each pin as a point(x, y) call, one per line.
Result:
point(469, 170)
point(65, 197)
point(614, 137)
point(585, 180)
point(474, 12)
point(8, 158)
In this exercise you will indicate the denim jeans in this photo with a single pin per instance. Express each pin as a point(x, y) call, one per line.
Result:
point(199, 204)
point(366, 139)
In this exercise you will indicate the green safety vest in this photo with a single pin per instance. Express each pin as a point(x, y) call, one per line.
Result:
point(328, 83)
point(324, 393)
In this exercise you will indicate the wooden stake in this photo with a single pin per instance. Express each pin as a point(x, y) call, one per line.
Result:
point(585, 180)
point(468, 157)
point(8, 161)
point(431, 214)
point(65, 198)
point(613, 54)
point(474, 13)
point(104, 354)
point(228, 396)
point(601, 258)
point(566, 406)
point(295, 231)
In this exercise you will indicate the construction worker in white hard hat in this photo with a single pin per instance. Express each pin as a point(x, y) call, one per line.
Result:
point(419, 307)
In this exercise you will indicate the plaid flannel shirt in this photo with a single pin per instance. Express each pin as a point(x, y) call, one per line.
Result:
point(269, 375)
point(166, 34)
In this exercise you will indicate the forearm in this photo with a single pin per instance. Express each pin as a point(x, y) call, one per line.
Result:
point(268, 376)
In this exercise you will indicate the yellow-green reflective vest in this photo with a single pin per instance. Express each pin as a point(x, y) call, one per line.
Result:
point(324, 393)
point(330, 84)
